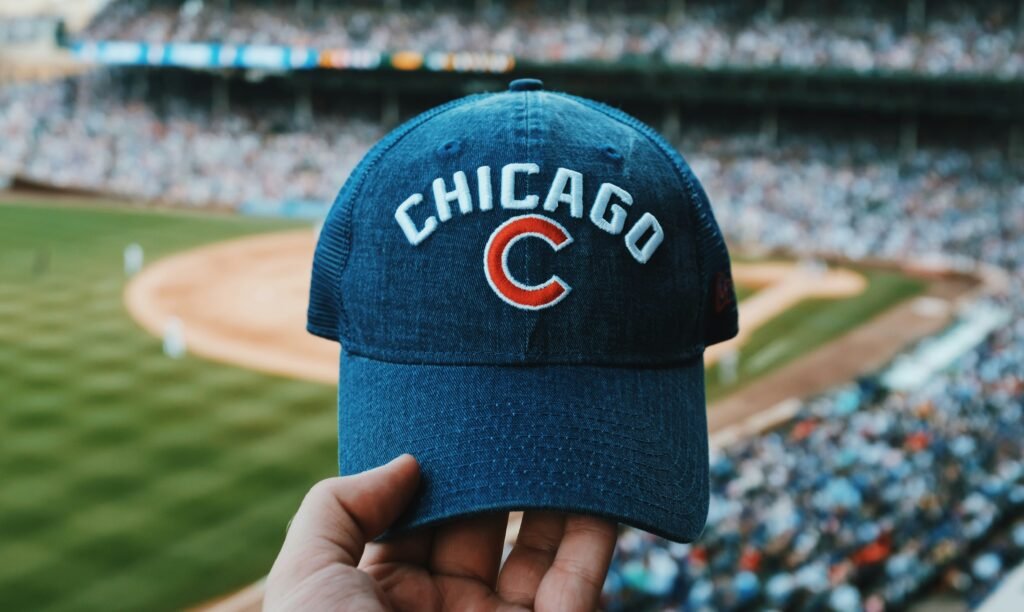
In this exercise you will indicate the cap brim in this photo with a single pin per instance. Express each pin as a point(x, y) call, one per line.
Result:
point(627, 444)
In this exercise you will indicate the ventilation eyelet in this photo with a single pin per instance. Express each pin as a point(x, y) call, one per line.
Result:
point(452, 147)
point(611, 153)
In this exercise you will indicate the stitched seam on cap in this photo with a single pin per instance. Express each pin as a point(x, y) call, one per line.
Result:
point(670, 503)
point(672, 508)
point(689, 534)
point(618, 485)
point(607, 439)
point(695, 214)
point(347, 211)
point(585, 457)
point(416, 357)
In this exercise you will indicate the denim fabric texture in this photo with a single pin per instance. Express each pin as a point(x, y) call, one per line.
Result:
point(591, 403)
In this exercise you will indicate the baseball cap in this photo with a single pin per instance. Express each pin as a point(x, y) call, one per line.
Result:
point(523, 284)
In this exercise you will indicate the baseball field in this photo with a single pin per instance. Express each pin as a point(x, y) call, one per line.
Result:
point(131, 480)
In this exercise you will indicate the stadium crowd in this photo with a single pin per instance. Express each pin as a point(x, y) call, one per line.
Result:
point(867, 496)
point(958, 38)
point(25, 30)
point(857, 504)
point(88, 134)
point(977, 575)
point(862, 500)
point(93, 139)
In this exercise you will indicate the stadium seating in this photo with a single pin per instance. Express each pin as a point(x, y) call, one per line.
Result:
point(978, 575)
point(910, 482)
point(107, 144)
point(956, 38)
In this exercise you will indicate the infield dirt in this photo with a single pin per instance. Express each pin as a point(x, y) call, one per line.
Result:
point(244, 302)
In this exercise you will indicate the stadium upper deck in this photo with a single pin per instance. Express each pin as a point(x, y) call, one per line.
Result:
point(919, 36)
point(146, 140)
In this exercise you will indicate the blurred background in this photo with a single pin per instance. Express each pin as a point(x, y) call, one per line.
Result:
point(866, 443)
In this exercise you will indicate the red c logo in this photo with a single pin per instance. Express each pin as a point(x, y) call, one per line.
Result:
point(500, 279)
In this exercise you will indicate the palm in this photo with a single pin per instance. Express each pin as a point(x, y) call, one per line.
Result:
point(558, 563)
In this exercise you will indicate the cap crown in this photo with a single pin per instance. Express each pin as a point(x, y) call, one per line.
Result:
point(525, 227)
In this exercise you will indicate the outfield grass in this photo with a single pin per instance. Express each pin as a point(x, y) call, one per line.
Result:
point(133, 481)
point(129, 480)
point(810, 324)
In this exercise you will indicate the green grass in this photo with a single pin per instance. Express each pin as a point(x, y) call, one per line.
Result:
point(129, 480)
point(132, 481)
point(810, 324)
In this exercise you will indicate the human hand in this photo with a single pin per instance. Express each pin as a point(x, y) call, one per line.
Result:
point(329, 562)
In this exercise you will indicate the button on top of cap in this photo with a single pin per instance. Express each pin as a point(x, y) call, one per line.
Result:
point(526, 85)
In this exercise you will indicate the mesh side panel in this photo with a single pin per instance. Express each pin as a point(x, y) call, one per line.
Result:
point(326, 313)
point(721, 318)
point(718, 320)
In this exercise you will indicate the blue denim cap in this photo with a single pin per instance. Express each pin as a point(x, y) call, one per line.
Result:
point(523, 285)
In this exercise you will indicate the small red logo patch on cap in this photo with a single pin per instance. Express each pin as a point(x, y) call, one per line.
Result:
point(510, 290)
point(725, 296)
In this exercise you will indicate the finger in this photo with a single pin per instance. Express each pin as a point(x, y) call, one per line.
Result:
point(531, 557)
point(470, 547)
point(411, 548)
point(577, 574)
point(339, 515)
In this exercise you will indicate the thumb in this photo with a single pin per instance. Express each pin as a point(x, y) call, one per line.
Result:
point(339, 515)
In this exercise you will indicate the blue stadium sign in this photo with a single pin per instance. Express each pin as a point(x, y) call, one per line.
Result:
point(282, 58)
